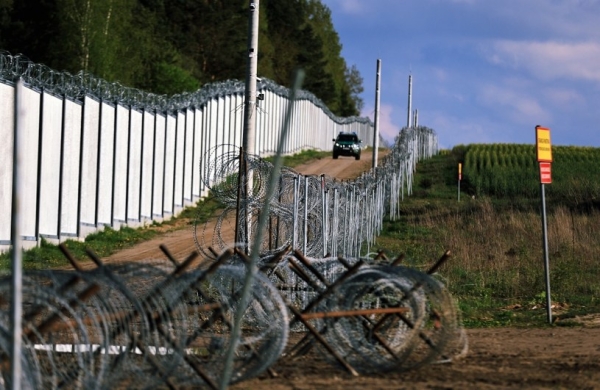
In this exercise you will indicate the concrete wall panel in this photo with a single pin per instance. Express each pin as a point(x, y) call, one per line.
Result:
point(179, 160)
point(159, 166)
point(188, 156)
point(71, 155)
point(51, 145)
point(146, 188)
point(7, 124)
point(29, 139)
point(169, 183)
point(89, 161)
point(134, 177)
point(120, 168)
point(106, 164)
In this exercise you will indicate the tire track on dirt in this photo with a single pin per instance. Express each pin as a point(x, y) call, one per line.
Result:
point(181, 242)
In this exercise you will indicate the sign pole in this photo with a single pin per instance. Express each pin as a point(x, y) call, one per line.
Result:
point(459, 179)
point(544, 157)
point(546, 259)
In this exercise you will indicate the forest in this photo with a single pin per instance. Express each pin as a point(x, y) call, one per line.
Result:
point(174, 46)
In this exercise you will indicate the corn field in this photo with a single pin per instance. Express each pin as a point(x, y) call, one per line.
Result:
point(511, 170)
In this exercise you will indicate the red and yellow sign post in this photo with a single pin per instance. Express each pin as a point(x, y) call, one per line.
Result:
point(543, 148)
point(543, 145)
point(545, 173)
point(459, 178)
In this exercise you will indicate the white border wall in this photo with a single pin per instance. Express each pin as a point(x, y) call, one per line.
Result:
point(93, 163)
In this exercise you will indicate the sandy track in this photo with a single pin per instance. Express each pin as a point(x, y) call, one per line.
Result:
point(506, 358)
point(181, 242)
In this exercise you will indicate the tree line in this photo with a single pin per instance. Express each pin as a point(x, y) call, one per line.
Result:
point(174, 46)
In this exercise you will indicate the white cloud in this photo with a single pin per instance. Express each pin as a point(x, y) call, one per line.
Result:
point(353, 7)
point(454, 131)
point(564, 97)
point(520, 107)
point(550, 60)
point(440, 74)
point(387, 129)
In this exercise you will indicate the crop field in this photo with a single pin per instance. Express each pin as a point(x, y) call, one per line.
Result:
point(511, 170)
point(494, 273)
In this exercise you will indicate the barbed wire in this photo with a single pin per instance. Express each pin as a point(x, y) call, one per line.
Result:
point(317, 214)
point(156, 323)
point(142, 325)
point(84, 84)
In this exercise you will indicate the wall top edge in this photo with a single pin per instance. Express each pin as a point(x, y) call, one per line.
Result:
point(77, 87)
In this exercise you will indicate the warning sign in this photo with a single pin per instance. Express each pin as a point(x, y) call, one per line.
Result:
point(545, 173)
point(543, 145)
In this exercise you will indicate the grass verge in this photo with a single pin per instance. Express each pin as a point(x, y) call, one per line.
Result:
point(108, 241)
point(496, 271)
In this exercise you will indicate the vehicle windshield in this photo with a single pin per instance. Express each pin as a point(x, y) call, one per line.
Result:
point(347, 138)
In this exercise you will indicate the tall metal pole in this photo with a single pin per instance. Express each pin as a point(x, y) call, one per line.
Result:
point(249, 134)
point(16, 263)
point(295, 220)
point(305, 227)
point(262, 221)
point(323, 213)
point(408, 115)
point(376, 127)
point(546, 259)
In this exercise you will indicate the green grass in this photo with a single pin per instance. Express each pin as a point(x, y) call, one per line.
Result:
point(510, 172)
point(496, 268)
point(301, 158)
point(109, 241)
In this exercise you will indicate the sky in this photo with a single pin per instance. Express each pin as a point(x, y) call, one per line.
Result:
point(483, 71)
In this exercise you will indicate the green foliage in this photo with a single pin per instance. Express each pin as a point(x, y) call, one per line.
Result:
point(172, 47)
point(510, 171)
point(103, 243)
point(108, 241)
point(171, 79)
point(496, 270)
point(301, 158)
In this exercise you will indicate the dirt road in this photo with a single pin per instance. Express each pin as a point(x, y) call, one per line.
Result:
point(181, 242)
point(552, 358)
point(506, 358)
